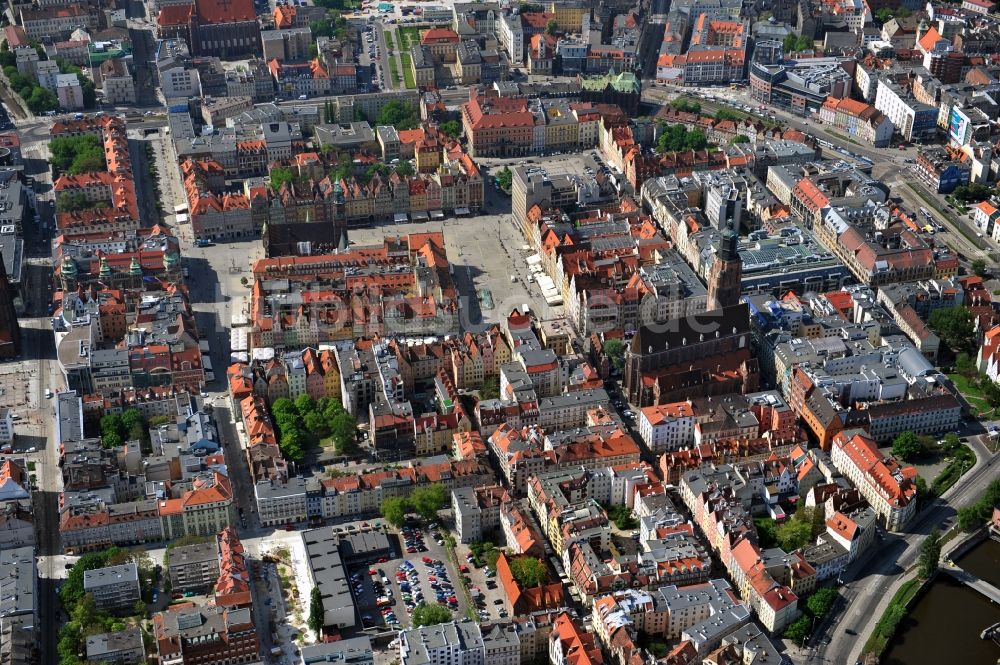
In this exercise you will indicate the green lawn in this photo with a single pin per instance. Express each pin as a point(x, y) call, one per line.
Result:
point(408, 36)
point(962, 461)
point(388, 39)
point(841, 136)
point(404, 56)
point(394, 71)
point(971, 393)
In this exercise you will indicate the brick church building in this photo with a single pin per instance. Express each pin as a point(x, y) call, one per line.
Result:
point(225, 28)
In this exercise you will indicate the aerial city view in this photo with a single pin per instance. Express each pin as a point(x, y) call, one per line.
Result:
point(544, 332)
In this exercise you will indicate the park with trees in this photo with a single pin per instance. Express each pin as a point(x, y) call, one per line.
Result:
point(425, 501)
point(85, 619)
point(306, 423)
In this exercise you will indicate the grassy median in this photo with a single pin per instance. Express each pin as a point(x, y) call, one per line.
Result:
point(891, 618)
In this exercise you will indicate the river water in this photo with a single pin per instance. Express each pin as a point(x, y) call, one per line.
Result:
point(944, 625)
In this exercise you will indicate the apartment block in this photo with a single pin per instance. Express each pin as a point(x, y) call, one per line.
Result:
point(889, 487)
point(115, 588)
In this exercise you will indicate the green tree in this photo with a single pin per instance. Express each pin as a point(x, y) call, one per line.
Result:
point(951, 442)
point(486, 553)
point(695, 140)
point(740, 138)
point(979, 267)
point(430, 615)
point(70, 641)
point(819, 603)
point(71, 202)
point(41, 100)
point(85, 612)
point(675, 138)
point(797, 43)
point(490, 389)
point(528, 571)
point(972, 193)
point(316, 618)
point(378, 168)
point(685, 105)
point(64, 149)
point(815, 518)
point(452, 128)
point(794, 534)
point(551, 26)
point(282, 176)
point(428, 500)
point(964, 365)
point(156, 421)
point(400, 115)
point(132, 418)
point(955, 327)
point(344, 431)
point(304, 404)
point(767, 532)
point(315, 424)
point(973, 516)
point(614, 349)
point(84, 163)
point(291, 444)
point(405, 169)
point(505, 178)
point(623, 518)
point(394, 509)
point(727, 114)
point(798, 630)
point(930, 554)
point(330, 408)
point(907, 446)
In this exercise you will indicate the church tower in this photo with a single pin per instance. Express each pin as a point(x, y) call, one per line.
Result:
point(725, 276)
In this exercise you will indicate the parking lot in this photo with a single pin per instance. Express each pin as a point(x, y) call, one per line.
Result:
point(490, 604)
point(387, 592)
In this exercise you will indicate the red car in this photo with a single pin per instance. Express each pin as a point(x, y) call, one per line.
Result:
point(383, 560)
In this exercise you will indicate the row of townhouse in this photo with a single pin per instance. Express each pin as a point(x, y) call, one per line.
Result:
point(298, 499)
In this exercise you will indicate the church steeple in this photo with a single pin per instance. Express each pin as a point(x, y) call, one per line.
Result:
point(68, 273)
point(726, 275)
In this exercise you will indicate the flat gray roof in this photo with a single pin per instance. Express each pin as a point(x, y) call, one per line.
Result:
point(127, 572)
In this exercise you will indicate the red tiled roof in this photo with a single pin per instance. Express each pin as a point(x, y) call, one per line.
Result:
point(929, 39)
point(439, 36)
point(173, 15)
point(213, 12)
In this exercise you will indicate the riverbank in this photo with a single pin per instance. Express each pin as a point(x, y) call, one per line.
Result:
point(945, 606)
point(894, 614)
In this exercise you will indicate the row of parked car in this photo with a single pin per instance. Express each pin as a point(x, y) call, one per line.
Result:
point(383, 598)
point(441, 585)
point(413, 538)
